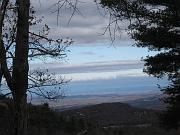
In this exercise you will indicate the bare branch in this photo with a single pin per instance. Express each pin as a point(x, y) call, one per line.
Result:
point(67, 4)
point(40, 46)
point(3, 63)
point(45, 84)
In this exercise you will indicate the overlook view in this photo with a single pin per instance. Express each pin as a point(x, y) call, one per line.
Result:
point(89, 67)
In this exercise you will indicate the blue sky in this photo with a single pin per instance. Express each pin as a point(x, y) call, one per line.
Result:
point(93, 52)
point(93, 60)
point(96, 69)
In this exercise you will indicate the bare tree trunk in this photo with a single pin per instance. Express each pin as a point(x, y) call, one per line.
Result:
point(21, 67)
point(0, 76)
point(3, 64)
point(20, 114)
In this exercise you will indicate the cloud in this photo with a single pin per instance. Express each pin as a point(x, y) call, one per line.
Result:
point(104, 75)
point(95, 67)
point(95, 70)
point(86, 27)
point(88, 53)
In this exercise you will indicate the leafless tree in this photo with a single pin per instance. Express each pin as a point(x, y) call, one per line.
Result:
point(18, 45)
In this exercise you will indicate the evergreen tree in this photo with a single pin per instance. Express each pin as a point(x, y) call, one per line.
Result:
point(155, 24)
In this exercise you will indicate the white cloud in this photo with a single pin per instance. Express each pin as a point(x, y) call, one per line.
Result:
point(85, 28)
point(104, 75)
point(100, 66)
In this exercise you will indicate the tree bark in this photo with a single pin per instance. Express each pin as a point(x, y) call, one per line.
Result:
point(21, 67)
point(3, 64)
point(1, 74)
point(20, 114)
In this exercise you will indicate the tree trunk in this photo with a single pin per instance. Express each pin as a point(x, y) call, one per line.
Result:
point(0, 76)
point(20, 114)
point(3, 7)
point(21, 67)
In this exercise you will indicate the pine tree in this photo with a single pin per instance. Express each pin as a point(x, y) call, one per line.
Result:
point(155, 24)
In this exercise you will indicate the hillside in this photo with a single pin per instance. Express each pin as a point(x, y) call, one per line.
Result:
point(101, 119)
point(120, 119)
point(116, 114)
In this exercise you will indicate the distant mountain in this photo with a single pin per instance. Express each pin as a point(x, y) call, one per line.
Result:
point(155, 102)
point(116, 114)
point(119, 119)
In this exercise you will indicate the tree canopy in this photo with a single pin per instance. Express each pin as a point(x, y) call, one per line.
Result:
point(154, 24)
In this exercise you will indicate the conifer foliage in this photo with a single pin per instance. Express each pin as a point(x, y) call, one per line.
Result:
point(154, 24)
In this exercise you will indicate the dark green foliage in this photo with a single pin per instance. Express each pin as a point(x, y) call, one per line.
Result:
point(41, 120)
point(172, 116)
point(155, 24)
point(87, 121)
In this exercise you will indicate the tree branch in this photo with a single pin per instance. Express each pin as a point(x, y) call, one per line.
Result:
point(3, 63)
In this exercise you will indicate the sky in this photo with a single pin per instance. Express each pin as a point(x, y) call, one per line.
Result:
point(86, 26)
point(94, 64)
